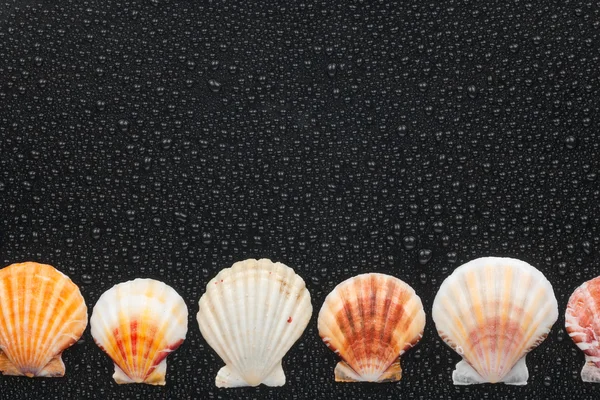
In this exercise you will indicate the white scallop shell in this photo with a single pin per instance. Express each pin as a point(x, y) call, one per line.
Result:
point(251, 315)
point(493, 311)
point(138, 323)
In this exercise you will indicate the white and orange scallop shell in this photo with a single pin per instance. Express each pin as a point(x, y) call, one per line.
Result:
point(138, 323)
point(251, 315)
point(370, 320)
point(42, 313)
point(582, 320)
point(493, 311)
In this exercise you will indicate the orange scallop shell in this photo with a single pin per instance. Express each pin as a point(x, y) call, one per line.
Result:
point(42, 313)
point(369, 321)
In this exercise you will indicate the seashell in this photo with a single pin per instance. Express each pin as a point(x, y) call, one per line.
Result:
point(42, 314)
point(582, 320)
point(251, 315)
point(493, 311)
point(369, 321)
point(138, 323)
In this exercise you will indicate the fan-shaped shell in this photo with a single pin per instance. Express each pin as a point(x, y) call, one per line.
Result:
point(138, 323)
point(369, 321)
point(493, 311)
point(251, 315)
point(42, 313)
point(582, 320)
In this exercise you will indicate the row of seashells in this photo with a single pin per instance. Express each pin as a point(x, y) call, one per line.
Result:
point(492, 311)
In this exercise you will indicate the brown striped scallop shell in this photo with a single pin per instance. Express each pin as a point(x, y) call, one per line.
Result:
point(369, 321)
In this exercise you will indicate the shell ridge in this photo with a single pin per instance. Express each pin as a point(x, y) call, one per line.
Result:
point(345, 312)
point(43, 284)
point(164, 332)
point(504, 305)
point(4, 322)
point(517, 286)
point(141, 347)
point(261, 271)
point(400, 339)
point(491, 318)
point(56, 329)
point(140, 342)
point(225, 291)
point(113, 321)
point(168, 330)
point(479, 321)
point(148, 347)
point(211, 330)
point(416, 325)
point(494, 320)
point(412, 311)
point(467, 348)
point(23, 339)
point(358, 299)
point(533, 343)
point(124, 329)
point(247, 322)
point(463, 318)
point(15, 322)
point(273, 290)
point(451, 314)
point(103, 338)
point(51, 326)
point(535, 328)
point(391, 293)
point(220, 313)
point(328, 327)
point(476, 345)
point(524, 343)
point(299, 323)
point(158, 373)
point(279, 347)
point(375, 330)
point(300, 296)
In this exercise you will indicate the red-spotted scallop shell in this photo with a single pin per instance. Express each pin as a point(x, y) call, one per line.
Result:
point(251, 315)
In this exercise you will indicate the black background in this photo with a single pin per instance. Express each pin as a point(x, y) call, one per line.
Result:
point(169, 139)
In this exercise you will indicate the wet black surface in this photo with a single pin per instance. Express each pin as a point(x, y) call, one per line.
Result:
point(169, 139)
